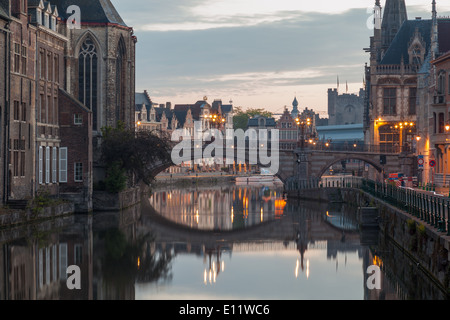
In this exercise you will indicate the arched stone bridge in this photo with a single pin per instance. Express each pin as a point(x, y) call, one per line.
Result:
point(318, 161)
point(311, 164)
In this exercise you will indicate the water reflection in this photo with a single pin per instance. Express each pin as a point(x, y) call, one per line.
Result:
point(301, 250)
point(221, 207)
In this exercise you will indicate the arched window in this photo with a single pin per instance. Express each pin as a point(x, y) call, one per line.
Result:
point(120, 80)
point(441, 83)
point(88, 77)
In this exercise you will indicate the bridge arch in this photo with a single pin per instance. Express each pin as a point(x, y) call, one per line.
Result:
point(338, 159)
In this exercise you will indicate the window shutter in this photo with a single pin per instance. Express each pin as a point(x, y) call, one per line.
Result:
point(47, 165)
point(54, 165)
point(40, 164)
point(63, 165)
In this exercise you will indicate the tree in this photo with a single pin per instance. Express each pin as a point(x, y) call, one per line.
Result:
point(126, 152)
point(241, 117)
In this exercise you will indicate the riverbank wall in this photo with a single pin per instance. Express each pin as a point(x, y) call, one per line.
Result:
point(422, 243)
point(16, 217)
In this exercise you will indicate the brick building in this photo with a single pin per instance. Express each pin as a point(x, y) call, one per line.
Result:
point(100, 67)
point(4, 88)
point(76, 181)
point(20, 124)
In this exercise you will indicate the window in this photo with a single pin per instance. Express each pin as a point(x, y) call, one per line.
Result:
point(47, 165)
point(46, 20)
point(42, 64)
point(63, 165)
point(390, 101)
point(412, 100)
point(16, 57)
point(49, 69)
point(16, 113)
point(22, 164)
point(441, 84)
point(24, 59)
point(41, 165)
point(78, 119)
point(78, 254)
point(24, 112)
point(78, 171)
point(53, 23)
point(39, 16)
point(56, 67)
point(87, 75)
point(441, 119)
point(389, 137)
point(16, 163)
point(54, 164)
point(42, 113)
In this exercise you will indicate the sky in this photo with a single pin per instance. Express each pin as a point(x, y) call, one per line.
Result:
point(255, 53)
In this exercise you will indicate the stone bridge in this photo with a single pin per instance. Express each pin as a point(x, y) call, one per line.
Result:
point(307, 164)
point(318, 161)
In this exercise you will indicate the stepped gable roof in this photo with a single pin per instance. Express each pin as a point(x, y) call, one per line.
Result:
point(92, 11)
point(181, 117)
point(400, 45)
point(160, 111)
point(141, 98)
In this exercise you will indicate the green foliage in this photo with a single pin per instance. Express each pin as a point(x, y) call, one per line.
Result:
point(116, 179)
point(133, 154)
point(241, 117)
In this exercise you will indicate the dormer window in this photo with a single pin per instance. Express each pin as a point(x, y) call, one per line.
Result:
point(53, 23)
point(416, 55)
point(46, 20)
point(38, 16)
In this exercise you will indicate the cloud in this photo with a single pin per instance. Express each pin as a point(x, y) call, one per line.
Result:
point(254, 52)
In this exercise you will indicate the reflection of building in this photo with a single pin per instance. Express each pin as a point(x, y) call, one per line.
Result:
point(36, 267)
point(220, 209)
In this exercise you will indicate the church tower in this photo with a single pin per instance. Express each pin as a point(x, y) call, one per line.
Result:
point(393, 17)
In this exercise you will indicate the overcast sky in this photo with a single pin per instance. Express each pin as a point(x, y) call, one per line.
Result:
point(257, 53)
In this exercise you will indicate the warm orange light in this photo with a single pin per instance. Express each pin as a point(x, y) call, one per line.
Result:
point(447, 127)
point(418, 138)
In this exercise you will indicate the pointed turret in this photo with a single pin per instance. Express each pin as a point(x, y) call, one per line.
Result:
point(295, 111)
point(434, 32)
point(393, 17)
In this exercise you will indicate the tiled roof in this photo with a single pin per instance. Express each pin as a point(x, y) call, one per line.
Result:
point(92, 11)
point(399, 46)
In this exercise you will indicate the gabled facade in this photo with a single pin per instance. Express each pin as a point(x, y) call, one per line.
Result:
point(100, 64)
point(391, 79)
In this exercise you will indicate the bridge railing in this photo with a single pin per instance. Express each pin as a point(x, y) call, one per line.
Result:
point(432, 209)
point(358, 147)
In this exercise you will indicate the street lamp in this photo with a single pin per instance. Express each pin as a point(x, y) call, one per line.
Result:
point(303, 124)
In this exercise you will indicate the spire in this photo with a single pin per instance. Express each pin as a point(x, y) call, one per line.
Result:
point(394, 15)
point(295, 111)
point(434, 32)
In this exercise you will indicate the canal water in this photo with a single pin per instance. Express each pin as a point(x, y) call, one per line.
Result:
point(228, 242)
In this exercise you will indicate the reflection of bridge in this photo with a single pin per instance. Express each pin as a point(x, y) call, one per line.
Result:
point(305, 163)
point(304, 223)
